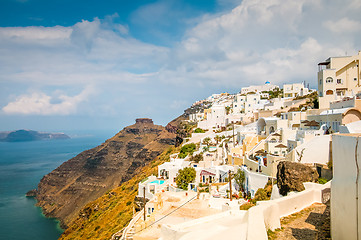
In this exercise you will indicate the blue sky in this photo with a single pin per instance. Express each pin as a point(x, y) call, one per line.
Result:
point(68, 65)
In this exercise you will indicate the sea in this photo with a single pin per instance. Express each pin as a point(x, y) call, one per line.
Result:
point(22, 165)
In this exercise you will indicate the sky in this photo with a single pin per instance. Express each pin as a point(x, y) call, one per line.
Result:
point(97, 65)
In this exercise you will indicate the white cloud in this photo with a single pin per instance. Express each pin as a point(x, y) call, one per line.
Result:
point(89, 51)
point(35, 33)
point(38, 103)
point(259, 40)
point(343, 25)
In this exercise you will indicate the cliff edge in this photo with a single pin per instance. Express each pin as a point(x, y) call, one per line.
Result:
point(89, 175)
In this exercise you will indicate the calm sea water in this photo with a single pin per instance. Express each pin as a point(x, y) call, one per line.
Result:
point(22, 165)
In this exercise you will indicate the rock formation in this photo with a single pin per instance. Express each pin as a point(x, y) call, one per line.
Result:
point(292, 175)
point(86, 177)
point(29, 135)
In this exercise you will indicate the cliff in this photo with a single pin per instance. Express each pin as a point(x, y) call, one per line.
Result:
point(86, 177)
point(110, 213)
point(29, 135)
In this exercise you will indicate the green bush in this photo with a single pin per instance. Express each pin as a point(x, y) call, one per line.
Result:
point(186, 150)
point(263, 194)
point(184, 177)
point(322, 181)
point(199, 130)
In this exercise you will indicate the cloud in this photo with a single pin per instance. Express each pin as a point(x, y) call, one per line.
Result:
point(343, 25)
point(258, 41)
point(38, 103)
point(280, 41)
point(89, 51)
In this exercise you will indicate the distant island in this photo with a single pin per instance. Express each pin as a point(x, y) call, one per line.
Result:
point(30, 135)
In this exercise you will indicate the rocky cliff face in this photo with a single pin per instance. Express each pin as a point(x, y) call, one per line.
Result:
point(86, 177)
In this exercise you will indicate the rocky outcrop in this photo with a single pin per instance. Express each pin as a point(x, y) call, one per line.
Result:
point(144, 120)
point(31, 193)
point(292, 175)
point(86, 177)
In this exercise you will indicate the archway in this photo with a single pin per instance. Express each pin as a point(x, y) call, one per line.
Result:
point(329, 92)
point(271, 130)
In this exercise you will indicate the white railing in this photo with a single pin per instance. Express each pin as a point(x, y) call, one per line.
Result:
point(130, 225)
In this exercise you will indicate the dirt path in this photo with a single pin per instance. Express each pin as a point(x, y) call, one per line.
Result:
point(311, 223)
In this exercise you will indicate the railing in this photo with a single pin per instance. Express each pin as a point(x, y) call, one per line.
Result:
point(127, 228)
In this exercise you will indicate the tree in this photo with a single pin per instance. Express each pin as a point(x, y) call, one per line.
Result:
point(228, 110)
point(239, 177)
point(196, 158)
point(207, 141)
point(217, 138)
point(300, 155)
point(184, 177)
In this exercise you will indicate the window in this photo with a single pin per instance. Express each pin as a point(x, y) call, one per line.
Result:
point(339, 81)
point(329, 80)
point(355, 79)
point(320, 81)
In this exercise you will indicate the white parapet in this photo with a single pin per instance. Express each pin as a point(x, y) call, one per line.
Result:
point(252, 224)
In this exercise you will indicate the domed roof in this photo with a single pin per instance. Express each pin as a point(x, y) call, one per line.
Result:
point(267, 82)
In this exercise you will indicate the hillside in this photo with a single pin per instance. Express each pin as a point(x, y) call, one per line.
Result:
point(101, 218)
point(86, 177)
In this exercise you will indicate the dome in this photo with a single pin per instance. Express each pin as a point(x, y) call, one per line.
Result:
point(267, 82)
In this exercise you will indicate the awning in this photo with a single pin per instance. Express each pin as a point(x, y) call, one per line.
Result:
point(323, 63)
point(281, 146)
point(204, 172)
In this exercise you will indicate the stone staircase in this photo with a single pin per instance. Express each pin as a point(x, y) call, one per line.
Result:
point(130, 233)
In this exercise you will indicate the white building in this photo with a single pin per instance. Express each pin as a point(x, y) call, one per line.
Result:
point(215, 117)
point(248, 103)
point(260, 88)
point(337, 77)
point(196, 117)
point(294, 90)
point(169, 170)
point(254, 181)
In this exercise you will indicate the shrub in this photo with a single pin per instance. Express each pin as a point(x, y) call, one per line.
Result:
point(263, 194)
point(246, 206)
point(322, 181)
point(239, 177)
point(186, 150)
point(199, 130)
point(184, 177)
point(196, 158)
